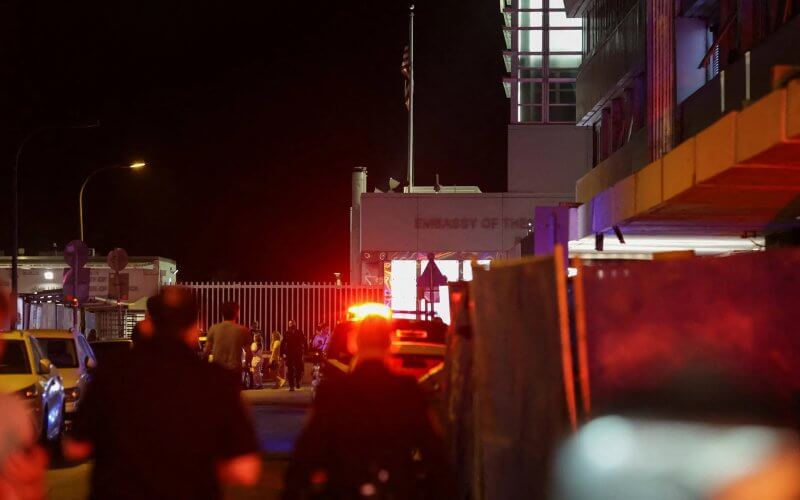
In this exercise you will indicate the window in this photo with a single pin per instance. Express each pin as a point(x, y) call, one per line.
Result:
point(559, 19)
point(15, 359)
point(60, 352)
point(530, 19)
point(545, 61)
point(565, 40)
point(530, 40)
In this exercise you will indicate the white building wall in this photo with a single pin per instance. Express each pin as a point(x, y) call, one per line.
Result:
point(491, 223)
point(548, 158)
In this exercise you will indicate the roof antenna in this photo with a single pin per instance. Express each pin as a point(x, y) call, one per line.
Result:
point(436, 186)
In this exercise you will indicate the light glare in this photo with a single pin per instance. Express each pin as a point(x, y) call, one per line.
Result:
point(360, 311)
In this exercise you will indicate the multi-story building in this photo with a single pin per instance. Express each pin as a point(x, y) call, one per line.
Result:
point(695, 123)
point(546, 152)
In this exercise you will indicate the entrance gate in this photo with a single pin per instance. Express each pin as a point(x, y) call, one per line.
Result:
point(274, 304)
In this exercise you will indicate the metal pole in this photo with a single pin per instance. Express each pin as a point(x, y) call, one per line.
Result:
point(411, 99)
point(15, 203)
point(83, 187)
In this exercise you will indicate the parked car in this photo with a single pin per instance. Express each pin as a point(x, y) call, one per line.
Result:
point(25, 371)
point(102, 349)
point(74, 357)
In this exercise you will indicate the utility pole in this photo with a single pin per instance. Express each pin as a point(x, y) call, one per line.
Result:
point(411, 99)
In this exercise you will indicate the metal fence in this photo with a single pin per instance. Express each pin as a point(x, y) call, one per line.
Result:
point(274, 304)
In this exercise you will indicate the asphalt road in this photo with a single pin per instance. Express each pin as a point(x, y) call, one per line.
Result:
point(278, 416)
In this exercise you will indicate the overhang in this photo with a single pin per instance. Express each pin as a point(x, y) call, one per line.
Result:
point(740, 175)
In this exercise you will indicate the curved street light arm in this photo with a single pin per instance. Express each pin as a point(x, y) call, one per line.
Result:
point(83, 187)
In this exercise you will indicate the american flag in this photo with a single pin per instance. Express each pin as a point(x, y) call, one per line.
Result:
point(405, 70)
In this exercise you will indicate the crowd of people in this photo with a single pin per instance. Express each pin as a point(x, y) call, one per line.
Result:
point(159, 421)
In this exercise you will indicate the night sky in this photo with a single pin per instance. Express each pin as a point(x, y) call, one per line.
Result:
point(251, 116)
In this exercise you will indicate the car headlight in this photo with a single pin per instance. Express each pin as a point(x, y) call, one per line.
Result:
point(29, 392)
point(72, 394)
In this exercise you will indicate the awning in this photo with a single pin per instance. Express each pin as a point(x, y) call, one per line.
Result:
point(740, 175)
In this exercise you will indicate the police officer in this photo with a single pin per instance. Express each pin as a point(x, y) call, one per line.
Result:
point(293, 347)
point(370, 433)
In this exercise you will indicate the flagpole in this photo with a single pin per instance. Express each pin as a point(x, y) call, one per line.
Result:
point(411, 99)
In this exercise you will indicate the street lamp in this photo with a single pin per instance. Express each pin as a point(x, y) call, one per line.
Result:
point(133, 166)
point(15, 198)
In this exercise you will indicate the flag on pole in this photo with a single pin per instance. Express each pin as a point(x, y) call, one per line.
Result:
point(405, 70)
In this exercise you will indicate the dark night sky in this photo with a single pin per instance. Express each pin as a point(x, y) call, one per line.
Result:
point(251, 116)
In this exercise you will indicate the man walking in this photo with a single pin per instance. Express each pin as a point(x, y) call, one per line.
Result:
point(293, 347)
point(160, 422)
point(226, 340)
point(370, 433)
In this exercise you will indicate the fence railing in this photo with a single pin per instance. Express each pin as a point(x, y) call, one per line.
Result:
point(274, 304)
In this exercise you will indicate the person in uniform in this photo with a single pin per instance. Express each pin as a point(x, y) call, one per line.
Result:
point(370, 433)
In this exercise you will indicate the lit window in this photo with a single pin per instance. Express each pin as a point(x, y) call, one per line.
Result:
point(530, 19)
point(559, 19)
point(548, 59)
point(566, 41)
point(530, 40)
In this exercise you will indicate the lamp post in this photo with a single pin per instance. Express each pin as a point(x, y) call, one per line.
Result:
point(133, 166)
point(15, 198)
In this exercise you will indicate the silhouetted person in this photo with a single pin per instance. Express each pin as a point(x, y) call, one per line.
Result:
point(369, 434)
point(92, 335)
point(160, 422)
point(293, 347)
point(143, 330)
point(226, 340)
point(276, 363)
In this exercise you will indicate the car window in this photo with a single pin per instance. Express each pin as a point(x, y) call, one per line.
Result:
point(15, 359)
point(60, 352)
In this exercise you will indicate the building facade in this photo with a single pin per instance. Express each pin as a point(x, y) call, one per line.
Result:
point(691, 114)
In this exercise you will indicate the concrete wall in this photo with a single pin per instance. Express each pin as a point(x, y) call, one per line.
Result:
point(548, 159)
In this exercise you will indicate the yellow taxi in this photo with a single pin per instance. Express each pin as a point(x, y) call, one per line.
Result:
point(26, 372)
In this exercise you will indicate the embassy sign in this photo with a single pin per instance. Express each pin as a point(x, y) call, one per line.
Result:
point(445, 222)
point(472, 223)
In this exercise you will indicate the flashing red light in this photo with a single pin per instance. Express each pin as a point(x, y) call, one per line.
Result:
point(360, 311)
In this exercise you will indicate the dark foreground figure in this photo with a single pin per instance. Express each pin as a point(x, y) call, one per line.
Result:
point(160, 422)
point(370, 434)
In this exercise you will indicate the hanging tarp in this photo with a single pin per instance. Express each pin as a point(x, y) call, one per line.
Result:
point(522, 402)
point(645, 320)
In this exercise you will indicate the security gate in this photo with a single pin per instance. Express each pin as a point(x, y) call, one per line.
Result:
point(274, 304)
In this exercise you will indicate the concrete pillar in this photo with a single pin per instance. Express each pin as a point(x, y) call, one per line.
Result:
point(359, 187)
point(554, 225)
